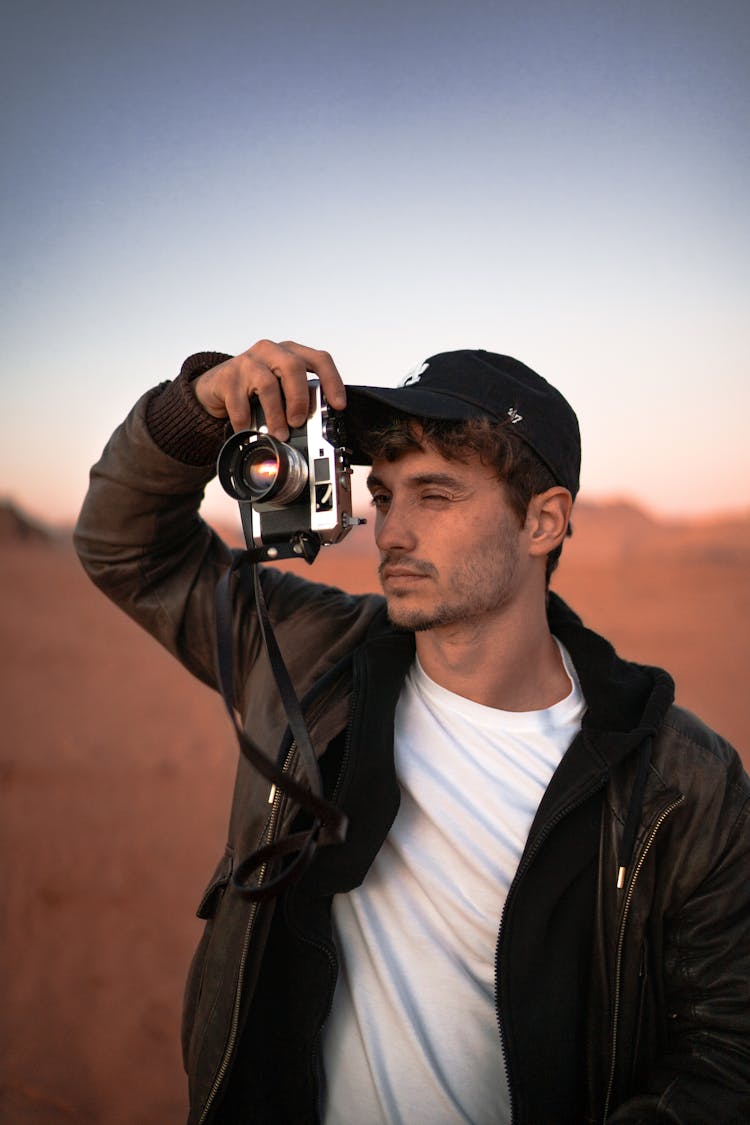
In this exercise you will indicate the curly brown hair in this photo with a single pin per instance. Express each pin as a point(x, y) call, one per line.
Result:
point(388, 434)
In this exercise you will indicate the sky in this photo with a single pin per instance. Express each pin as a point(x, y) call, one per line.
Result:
point(565, 181)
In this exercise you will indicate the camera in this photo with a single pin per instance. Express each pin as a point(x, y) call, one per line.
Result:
point(294, 496)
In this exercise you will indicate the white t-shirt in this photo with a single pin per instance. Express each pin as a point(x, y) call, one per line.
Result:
point(412, 1035)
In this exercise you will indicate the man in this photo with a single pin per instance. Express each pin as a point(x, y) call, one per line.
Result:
point(540, 910)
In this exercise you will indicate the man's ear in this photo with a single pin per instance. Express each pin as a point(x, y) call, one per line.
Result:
point(547, 520)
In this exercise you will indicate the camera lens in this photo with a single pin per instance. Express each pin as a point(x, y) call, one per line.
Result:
point(272, 471)
point(256, 467)
point(260, 471)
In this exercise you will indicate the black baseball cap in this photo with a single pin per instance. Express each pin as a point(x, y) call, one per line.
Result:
point(478, 384)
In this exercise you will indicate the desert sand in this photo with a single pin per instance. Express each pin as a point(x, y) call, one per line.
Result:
point(116, 771)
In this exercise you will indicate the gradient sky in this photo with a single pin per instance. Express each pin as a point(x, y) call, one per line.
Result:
point(566, 182)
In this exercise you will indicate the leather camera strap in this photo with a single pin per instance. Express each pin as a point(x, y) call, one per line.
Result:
point(329, 824)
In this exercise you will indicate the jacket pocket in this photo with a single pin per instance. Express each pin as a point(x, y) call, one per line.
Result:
point(207, 908)
point(645, 1041)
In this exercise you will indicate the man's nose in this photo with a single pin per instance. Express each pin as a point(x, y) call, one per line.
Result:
point(395, 529)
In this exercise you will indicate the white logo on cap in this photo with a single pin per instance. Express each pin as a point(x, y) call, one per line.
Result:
point(514, 415)
point(414, 376)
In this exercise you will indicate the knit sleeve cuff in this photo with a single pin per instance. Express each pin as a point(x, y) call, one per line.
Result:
point(176, 420)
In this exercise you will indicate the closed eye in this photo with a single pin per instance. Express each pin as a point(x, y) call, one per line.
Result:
point(437, 499)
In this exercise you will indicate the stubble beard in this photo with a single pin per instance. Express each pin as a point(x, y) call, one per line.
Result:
point(482, 585)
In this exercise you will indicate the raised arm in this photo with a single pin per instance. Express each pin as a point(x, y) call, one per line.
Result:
point(140, 536)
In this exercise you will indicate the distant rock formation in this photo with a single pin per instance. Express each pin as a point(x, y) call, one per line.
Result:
point(15, 526)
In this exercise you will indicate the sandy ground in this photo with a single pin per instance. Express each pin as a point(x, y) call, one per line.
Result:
point(116, 771)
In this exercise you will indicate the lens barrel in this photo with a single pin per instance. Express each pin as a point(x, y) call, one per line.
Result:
point(258, 468)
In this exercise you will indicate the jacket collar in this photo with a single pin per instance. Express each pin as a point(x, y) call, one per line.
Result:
point(625, 702)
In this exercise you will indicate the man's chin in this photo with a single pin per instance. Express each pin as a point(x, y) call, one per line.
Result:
point(406, 617)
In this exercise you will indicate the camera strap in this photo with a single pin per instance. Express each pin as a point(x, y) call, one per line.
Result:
point(329, 824)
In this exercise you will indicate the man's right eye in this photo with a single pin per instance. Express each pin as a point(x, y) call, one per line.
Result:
point(380, 500)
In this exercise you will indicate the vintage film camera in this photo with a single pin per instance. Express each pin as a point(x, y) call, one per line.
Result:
point(294, 496)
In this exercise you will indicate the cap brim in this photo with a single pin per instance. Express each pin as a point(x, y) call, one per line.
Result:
point(414, 400)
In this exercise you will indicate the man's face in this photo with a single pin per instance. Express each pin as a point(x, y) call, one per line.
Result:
point(448, 539)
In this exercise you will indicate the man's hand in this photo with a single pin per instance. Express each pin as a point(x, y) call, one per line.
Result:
point(269, 371)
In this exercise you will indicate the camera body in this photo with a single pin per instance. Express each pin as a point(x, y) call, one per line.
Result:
point(294, 496)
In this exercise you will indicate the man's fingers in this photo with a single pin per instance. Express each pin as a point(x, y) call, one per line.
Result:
point(277, 374)
point(288, 366)
point(322, 365)
point(259, 379)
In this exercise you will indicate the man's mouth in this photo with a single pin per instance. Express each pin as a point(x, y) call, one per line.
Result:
point(403, 572)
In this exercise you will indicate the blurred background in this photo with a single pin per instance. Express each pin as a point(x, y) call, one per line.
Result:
point(562, 181)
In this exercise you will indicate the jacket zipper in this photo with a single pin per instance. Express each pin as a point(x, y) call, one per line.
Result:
point(621, 944)
point(275, 798)
point(526, 863)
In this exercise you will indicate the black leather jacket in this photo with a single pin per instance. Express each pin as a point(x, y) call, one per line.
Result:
point(621, 1003)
